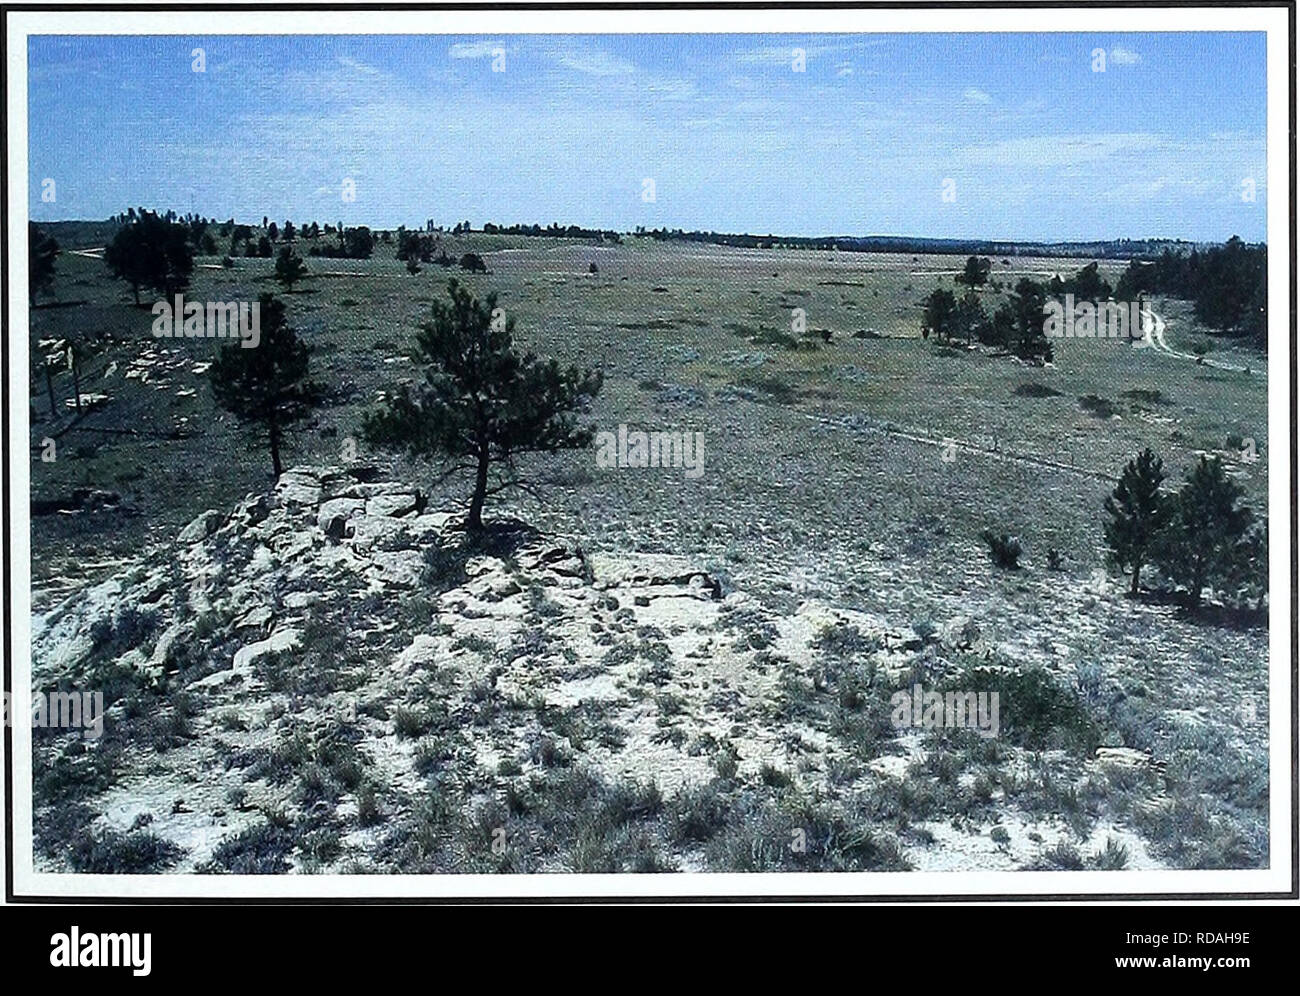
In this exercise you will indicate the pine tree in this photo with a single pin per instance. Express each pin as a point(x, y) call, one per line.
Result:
point(940, 316)
point(482, 404)
point(1031, 342)
point(1139, 513)
point(970, 319)
point(265, 386)
point(289, 268)
point(976, 272)
point(1245, 583)
point(41, 253)
point(1208, 524)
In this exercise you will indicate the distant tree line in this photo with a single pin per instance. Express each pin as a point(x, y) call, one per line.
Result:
point(153, 251)
point(1104, 249)
point(554, 231)
point(347, 243)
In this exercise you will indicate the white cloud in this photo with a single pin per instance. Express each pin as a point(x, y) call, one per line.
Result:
point(1124, 57)
point(474, 50)
point(359, 67)
point(1060, 150)
point(596, 63)
point(974, 95)
point(844, 69)
point(780, 55)
point(671, 88)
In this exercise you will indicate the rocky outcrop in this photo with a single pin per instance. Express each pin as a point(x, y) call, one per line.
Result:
point(323, 531)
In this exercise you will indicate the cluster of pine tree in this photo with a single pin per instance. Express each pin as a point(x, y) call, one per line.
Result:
point(421, 248)
point(352, 243)
point(1200, 537)
point(1017, 325)
point(1227, 285)
point(153, 251)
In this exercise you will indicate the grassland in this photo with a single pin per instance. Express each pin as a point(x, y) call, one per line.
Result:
point(694, 337)
point(828, 477)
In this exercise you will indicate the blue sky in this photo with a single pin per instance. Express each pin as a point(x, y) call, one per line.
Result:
point(1037, 144)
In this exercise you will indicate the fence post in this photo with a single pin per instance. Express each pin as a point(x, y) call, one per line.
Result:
point(76, 380)
point(49, 387)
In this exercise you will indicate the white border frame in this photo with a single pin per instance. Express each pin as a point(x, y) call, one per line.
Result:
point(1277, 879)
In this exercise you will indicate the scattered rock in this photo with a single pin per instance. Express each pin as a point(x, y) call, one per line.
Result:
point(203, 526)
point(959, 633)
point(277, 642)
point(338, 508)
point(257, 618)
point(394, 505)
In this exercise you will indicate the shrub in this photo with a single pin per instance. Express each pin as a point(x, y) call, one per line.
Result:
point(1098, 407)
point(1003, 548)
point(444, 566)
point(697, 813)
point(114, 853)
point(1034, 709)
point(1063, 857)
point(774, 777)
point(410, 723)
point(1113, 858)
point(260, 850)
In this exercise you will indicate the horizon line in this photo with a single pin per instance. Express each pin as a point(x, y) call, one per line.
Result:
point(645, 232)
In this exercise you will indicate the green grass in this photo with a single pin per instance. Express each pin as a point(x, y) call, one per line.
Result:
point(170, 470)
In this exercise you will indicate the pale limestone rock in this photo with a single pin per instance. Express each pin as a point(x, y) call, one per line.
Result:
point(255, 618)
point(202, 526)
point(344, 508)
point(280, 640)
point(394, 505)
point(298, 487)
